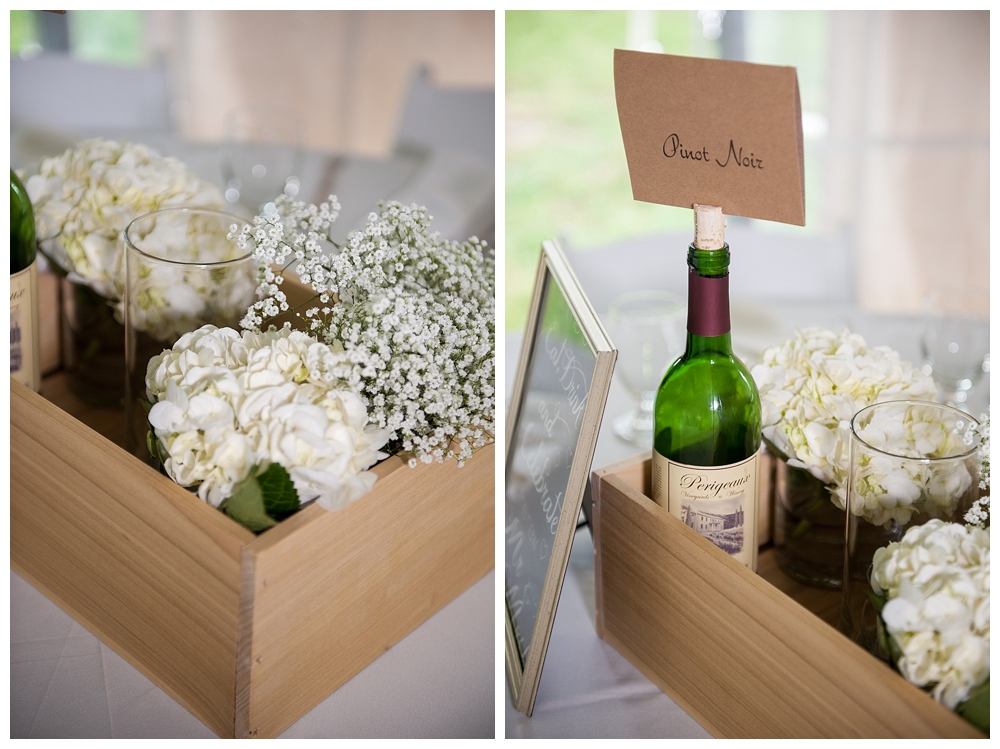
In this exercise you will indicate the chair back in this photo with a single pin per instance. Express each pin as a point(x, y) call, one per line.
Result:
point(451, 118)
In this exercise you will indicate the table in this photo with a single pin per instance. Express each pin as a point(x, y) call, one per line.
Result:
point(587, 689)
point(437, 682)
point(455, 186)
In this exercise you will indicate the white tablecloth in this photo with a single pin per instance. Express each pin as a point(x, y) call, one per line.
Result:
point(588, 690)
point(437, 682)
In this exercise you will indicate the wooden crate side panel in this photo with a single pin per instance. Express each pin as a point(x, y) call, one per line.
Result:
point(150, 570)
point(634, 471)
point(734, 652)
point(334, 595)
point(244, 646)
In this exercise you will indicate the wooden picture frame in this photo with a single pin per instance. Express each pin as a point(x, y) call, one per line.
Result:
point(557, 403)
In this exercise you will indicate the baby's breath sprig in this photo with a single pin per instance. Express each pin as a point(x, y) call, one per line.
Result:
point(979, 514)
point(411, 314)
point(294, 232)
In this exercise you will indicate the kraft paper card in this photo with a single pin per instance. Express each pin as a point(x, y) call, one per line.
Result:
point(717, 132)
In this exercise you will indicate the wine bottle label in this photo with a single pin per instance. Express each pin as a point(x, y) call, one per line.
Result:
point(720, 502)
point(24, 349)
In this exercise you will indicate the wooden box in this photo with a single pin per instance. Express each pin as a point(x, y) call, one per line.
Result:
point(247, 632)
point(742, 657)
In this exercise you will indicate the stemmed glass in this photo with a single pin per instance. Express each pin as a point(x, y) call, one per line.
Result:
point(261, 155)
point(647, 328)
point(955, 339)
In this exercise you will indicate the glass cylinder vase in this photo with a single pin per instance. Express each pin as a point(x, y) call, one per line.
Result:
point(808, 528)
point(183, 270)
point(910, 461)
point(93, 344)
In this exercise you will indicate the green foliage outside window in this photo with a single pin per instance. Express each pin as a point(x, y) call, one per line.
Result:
point(25, 31)
point(566, 174)
point(112, 37)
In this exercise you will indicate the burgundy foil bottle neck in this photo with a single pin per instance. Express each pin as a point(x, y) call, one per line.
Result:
point(708, 304)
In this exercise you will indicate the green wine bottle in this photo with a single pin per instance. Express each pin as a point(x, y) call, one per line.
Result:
point(706, 436)
point(24, 348)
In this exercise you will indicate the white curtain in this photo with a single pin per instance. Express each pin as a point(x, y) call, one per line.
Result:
point(908, 164)
point(346, 72)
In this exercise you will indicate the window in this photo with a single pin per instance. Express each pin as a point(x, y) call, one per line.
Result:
point(895, 109)
point(113, 37)
point(566, 174)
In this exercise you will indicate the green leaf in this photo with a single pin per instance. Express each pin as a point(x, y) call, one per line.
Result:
point(878, 602)
point(153, 445)
point(263, 499)
point(976, 709)
point(246, 506)
point(885, 644)
point(280, 497)
point(801, 530)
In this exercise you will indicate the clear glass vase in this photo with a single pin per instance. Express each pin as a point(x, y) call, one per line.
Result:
point(183, 270)
point(808, 528)
point(93, 345)
point(910, 461)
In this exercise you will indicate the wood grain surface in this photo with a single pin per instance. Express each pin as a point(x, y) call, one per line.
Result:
point(738, 654)
point(246, 632)
point(332, 591)
point(138, 561)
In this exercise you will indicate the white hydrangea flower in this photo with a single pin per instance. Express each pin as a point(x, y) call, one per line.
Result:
point(84, 199)
point(812, 385)
point(936, 582)
point(224, 402)
point(412, 314)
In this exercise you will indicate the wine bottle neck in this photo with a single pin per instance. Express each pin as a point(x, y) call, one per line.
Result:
point(708, 323)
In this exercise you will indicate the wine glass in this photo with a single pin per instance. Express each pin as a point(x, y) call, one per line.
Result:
point(647, 328)
point(261, 155)
point(955, 339)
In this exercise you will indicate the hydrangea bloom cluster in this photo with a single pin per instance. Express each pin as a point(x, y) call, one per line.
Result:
point(937, 614)
point(225, 402)
point(84, 199)
point(917, 465)
point(812, 385)
point(979, 514)
point(413, 315)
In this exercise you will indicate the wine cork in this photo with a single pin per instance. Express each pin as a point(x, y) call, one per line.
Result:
point(709, 227)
